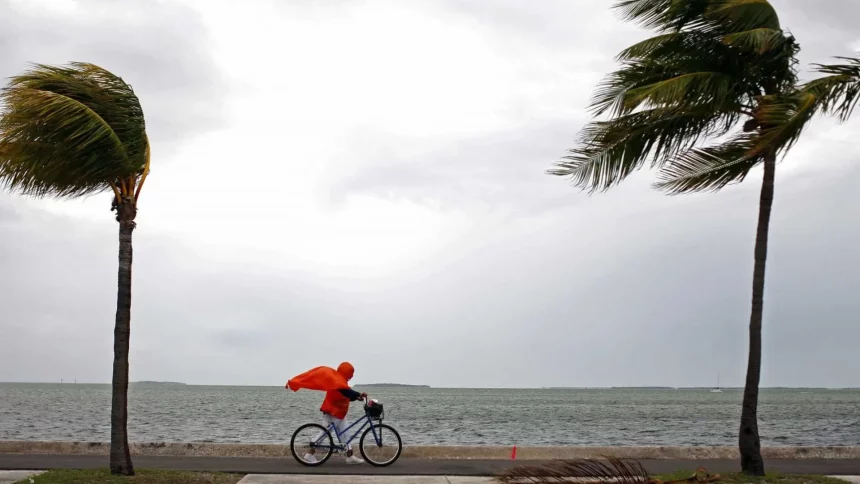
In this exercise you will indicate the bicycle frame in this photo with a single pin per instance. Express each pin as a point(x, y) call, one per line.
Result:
point(364, 421)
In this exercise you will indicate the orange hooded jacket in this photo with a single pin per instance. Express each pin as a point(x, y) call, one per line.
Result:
point(330, 381)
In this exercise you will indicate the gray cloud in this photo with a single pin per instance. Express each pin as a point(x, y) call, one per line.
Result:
point(554, 24)
point(822, 32)
point(7, 214)
point(587, 298)
point(505, 169)
point(159, 48)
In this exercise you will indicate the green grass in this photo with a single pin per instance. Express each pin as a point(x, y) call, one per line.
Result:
point(103, 476)
point(770, 478)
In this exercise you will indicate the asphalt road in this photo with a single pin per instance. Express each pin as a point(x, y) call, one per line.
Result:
point(287, 465)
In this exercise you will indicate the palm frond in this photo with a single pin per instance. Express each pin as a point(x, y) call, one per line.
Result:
point(645, 48)
point(592, 471)
point(783, 118)
point(719, 16)
point(662, 15)
point(695, 88)
point(838, 92)
point(34, 161)
point(69, 131)
point(683, 67)
point(709, 169)
point(674, 50)
point(647, 84)
point(611, 150)
point(741, 15)
point(759, 40)
point(608, 470)
point(611, 92)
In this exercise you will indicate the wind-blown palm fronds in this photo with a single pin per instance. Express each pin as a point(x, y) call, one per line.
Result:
point(694, 81)
point(838, 92)
point(720, 16)
point(780, 119)
point(71, 131)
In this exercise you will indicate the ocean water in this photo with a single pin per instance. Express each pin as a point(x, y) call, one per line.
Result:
point(424, 416)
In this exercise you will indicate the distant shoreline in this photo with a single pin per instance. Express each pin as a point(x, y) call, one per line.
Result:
point(379, 385)
point(158, 383)
point(392, 385)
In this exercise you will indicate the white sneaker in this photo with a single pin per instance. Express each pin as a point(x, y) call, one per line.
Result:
point(309, 458)
point(354, 460)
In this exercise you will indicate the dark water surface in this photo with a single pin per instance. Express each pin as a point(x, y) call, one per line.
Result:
point(427, 416)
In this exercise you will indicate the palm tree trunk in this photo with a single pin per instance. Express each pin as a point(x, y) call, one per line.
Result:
point(120, 457)
point(748, 439)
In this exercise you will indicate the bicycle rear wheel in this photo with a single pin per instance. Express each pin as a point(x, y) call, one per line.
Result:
point(311, 445)
point(382, 449)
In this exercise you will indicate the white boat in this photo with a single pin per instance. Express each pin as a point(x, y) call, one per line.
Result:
point(717, 389)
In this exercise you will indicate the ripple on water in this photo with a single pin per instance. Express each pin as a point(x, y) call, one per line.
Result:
point(436, 416)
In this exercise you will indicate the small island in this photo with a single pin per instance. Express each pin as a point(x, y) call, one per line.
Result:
point(642, 388)
point(157, 383)
point(392, 385)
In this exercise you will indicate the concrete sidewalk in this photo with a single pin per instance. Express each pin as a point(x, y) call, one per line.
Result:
point(314, 479)
point(356, 479)
point(10, 477)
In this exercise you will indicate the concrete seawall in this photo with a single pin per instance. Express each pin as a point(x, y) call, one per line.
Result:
point(436, 452)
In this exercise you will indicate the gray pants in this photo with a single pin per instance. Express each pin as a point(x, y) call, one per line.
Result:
point(341, 424)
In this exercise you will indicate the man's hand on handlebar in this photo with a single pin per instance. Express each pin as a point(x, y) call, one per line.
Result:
point(363, 397)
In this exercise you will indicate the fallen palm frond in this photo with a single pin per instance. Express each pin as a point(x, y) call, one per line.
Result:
point(609, 470)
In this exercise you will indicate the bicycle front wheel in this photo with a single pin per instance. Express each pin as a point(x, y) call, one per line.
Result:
point(311, 445)
point(380, 445)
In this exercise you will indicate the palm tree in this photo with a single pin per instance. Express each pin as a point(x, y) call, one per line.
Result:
point(718, 70)
point(73, 131)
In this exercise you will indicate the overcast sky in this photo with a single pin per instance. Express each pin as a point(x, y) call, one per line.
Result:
point(365, 181)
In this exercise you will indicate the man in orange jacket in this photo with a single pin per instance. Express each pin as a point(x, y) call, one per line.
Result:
point(335, 406)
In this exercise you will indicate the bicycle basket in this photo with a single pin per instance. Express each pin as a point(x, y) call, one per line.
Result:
point(374, 410)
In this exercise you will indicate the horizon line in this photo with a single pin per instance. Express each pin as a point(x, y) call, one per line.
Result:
point(612, 387)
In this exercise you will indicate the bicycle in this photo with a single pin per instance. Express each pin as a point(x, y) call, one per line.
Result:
point(314, 439)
